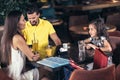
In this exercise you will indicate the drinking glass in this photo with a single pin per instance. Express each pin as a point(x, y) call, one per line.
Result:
point(65, 45)
point(35, 46)
point(49, 51)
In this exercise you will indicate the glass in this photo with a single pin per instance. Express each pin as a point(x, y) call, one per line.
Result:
point(53, 50)
point(35, 45)
point(49, 51)
point(81, 47)
point(65, 45)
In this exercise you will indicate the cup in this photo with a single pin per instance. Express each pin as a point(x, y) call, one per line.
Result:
point(49, 51)
point(65, 45)
point(53, 50)
point(35, 45)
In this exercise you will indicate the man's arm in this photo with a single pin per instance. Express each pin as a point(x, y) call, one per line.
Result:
point(55, 38)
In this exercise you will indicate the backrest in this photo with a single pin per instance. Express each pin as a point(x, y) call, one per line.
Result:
point(107, 73)
point(113, 19)
point(115, 33)
point(78, 20)
point(117, 71)
point(115, 42)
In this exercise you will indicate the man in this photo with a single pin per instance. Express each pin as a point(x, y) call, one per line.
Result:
point(39, 30)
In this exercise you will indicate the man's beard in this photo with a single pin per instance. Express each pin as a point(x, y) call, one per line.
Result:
point(34, 23)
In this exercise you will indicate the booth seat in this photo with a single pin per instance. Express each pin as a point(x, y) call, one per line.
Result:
point(4, 76)
point(107, 73)
point(115, 42)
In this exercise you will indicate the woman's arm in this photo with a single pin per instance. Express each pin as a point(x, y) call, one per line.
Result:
point(19, 43)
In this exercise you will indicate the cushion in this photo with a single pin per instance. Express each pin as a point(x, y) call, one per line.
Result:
point(117, 70)
point(115, 42)
point(107, 73)
point(115, 33)
point(4, 76)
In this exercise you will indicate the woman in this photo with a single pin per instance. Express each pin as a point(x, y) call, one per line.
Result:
point(14, 49)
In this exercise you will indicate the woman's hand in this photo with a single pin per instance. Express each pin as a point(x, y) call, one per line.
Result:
point(36, 57)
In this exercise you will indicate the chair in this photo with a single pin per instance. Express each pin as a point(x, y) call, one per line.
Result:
point(4, 76)
point(115, 43)
point(107, 73)
point(114, 19)
point(115, 33)
point(76, 24)
point(117, 71)
point(50, 14)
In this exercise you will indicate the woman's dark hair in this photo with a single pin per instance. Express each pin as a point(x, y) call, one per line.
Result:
point(10, 29)
point(100, 27)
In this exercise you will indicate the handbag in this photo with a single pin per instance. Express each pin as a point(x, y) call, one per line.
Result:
point(100, 59)
point(70, 68)
point(74, 65)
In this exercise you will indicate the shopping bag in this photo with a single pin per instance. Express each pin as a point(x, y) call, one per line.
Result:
point(100, 59)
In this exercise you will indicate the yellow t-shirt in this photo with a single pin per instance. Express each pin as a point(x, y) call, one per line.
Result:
point(40, 33)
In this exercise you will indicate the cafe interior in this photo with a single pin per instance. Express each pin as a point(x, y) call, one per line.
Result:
point(70, 19)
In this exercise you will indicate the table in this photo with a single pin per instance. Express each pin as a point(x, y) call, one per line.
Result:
point(91, 6)
point(84, 29)
point(72, 53)
point(54, 72)
point(111, 28)
point(53, 64)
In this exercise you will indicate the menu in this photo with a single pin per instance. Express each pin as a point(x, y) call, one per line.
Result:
point(54, 62)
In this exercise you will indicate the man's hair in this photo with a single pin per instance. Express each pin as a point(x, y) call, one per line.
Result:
point(31, 8)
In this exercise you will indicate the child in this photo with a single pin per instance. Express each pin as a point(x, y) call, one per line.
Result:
point(98, 38)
